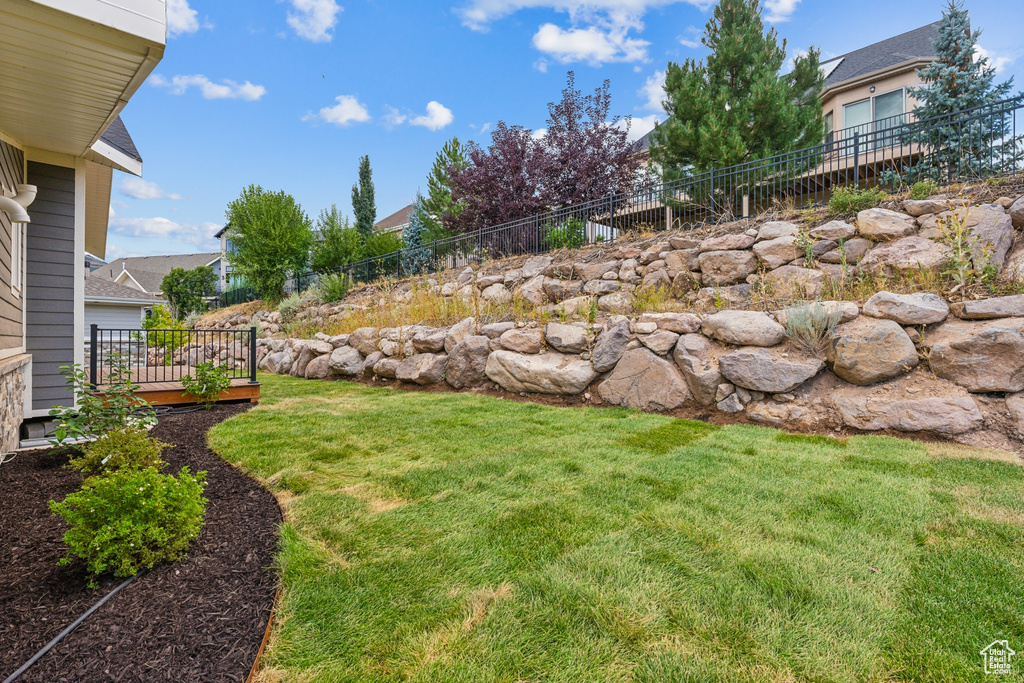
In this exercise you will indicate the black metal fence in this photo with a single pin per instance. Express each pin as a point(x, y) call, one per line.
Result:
point(151, 356)
point(891, 153)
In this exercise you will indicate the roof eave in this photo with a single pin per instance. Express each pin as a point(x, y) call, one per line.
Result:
point(875, 75)
point(119, 300)
point(108, 155)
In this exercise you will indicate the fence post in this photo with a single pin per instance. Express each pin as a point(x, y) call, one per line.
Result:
point(712, 204)
point(856, 158)
point(93, 353)
point(252, 355)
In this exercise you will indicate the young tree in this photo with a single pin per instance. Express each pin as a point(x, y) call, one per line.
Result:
point(438, 204)
point(501, 183)
point(186, 290)
point(336, 241)
point(415, 256)
point(958, 79)
point(736, 107)
point(588, 152)
point(364, 205)
point(272, 237)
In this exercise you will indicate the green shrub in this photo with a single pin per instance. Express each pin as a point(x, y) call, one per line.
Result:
point(132, 519)
point(923, 189)
point(847, 201)
point(290, 307)
point(381, 243)
point(117, 408)
point(209, 383)
point(569, 234)
point(332, 287)
point(810, 327)
point(129, 448)
point(164, 331)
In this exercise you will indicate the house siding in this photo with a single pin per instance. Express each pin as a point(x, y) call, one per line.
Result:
point(50, 283)
point(114, 316)
point(12, 173)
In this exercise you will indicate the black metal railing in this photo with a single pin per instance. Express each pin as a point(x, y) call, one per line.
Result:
point(151, 356)
point(891, 153)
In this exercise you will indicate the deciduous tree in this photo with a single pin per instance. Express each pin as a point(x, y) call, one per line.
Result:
point(186, 290)
point(336, 241)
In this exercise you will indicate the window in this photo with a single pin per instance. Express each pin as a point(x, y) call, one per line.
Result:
point(17, 257)
point(829, 126)
point(875, 114)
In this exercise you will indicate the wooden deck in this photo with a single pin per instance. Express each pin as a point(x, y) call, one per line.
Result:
point(157, 390)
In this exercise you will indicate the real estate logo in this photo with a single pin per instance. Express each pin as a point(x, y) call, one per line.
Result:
point(997, 657)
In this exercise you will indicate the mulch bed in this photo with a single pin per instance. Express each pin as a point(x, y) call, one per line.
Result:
point(200, 619)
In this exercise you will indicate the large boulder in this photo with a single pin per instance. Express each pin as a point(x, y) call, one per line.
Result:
point(743, 328)
point(775, 229)
point(661, 341)
point(645, 381)
point(868, 350)
point(610, 344)
point(458, 332)
point(565, 338)
point(617, 302)
point(278, 362)
point(727, 242)
point(496, 293)
point(833, 231)
point(980, 356)
point(853, 250)
point(595, 271)
point(1017, 213)
point(907, 309)
point(364, 340)
point(535, 265)
point(305, 354)
point(550, 373)
point(936, 407)
point(467, 361)
point(924, 207)
point(990, 231)
point(423, 368)
point(989, 309)
point(346, 361)
point(429, 340)
point(386, 367)
point(318, 368)
point(558, 290)
point(680, 323)
point(523, 340)
point(697, 358)
point(772, 371)
point(778, 252)
point(909, 254)
point(883, 225)
point(533, 292)
point(726, 267)
point(370, 361)
point(794, 281)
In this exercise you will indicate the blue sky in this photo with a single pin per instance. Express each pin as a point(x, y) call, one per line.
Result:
point(288, 94)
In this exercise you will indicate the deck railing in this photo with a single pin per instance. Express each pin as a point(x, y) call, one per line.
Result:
point(152, 356)
point(890, 153)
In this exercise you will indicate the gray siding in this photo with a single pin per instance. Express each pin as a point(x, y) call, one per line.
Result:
point(114, 316)
point(12, 171)
point(50, 283)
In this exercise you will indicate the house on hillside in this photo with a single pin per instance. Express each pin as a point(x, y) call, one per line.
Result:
point(113, 306)
point(69, 68)
point(146, 273)
point(396, 222)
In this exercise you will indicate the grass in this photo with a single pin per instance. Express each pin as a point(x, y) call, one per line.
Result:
point(454, 537)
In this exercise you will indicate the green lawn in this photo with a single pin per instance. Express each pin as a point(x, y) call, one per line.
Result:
point(452, 537)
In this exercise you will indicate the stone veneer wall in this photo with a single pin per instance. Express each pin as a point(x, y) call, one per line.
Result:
point(12, 400)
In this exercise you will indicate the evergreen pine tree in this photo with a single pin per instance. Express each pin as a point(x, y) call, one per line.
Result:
point(955, 81)
point(438, 205)
point(364, 204)
point(736, 107)
point(415, 256)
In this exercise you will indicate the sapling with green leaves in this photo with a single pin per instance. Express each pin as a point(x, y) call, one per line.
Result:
point(209, 382)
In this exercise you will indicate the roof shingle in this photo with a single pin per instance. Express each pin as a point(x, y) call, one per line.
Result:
point(916, 44)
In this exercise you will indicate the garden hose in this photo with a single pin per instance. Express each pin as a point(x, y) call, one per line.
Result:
point(60, 636)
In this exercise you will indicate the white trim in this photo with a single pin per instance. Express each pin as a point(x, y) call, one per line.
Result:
point(78, 332)
point(108, 155)
point(122, 300)
point(125, 272)
point(52, 158)
point(146, 19)
point(11, 141)
point(7, 353)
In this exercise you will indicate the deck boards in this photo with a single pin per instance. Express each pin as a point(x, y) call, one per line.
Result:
point(159, 391)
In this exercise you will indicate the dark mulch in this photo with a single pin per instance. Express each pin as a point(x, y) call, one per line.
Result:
point(200, 619)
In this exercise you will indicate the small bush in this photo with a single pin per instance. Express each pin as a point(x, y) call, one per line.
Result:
point(289, 307)
point(117, 408)
point(209, 383)
point(132, 519)
point(810, 327)
point(129, 448)
point(569, 234)
point(192, 319)
point(847, 201)
point(923, 189)
point(164, 331)
point(332, 287)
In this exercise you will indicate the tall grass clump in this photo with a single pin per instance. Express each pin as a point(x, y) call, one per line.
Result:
point(810, 326)
point(333, 287)
point(847, 201)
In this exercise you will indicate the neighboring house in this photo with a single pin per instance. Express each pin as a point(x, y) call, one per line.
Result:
point(113, 306)
point(92, 262)
point(226, 249)
point(396, 222)
point(69, 68)
point(146, 273)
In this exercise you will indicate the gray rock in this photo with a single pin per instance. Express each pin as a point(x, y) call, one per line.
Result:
point(941, 415)
point(990, 229)
point(550, 373)
point(535, 265)
point(346, 361)
point(485, 281)
point(727, 243)
point(386, 367)
point(619, 302)
point(731, 404)
point(907, 309)
point(793, 281)
point(989, 309)
point(557, 290)
point(778, 252)
point(921, 207)
point(725, 390)
point(594, 271)
point(645, 381)
point(734, 296)
point(611, 344)
point(521, 340)
point(680, 323)
point(565, 338)
point(768, 370)
point(833, 230)
point(533, 292)
point(847, 310)
point(661, 342)
point(496, 293)
point(318, 368)
point(853, 250)
point(983, 356)
point(726, 267)
point(423, 368)
point(773, 230)
point(364, 340)
point(458, 332)
point(1017, 213)
point(600, 287)
point(369, 362)
point(467, 361)
point(883, 225)
point(905, 255)
point(743, 328)
point(278, 362)
point(698, 362)
point(495, 330)
point(868, 350)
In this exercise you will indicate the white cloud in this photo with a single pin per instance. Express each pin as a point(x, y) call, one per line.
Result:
point(779, 10)
point(347, 110)
point(639, 126)
point(593, 45)
point(539, 134)
point(165, 229)
point(137, 188)
point(994, 61)
point(653, 91)
point(394, 117)
point(437, 117)
point(478, 14)
point(541, 65)
point(225, 90)
point(691, 38)
point(314, 20)
point(181, 18)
